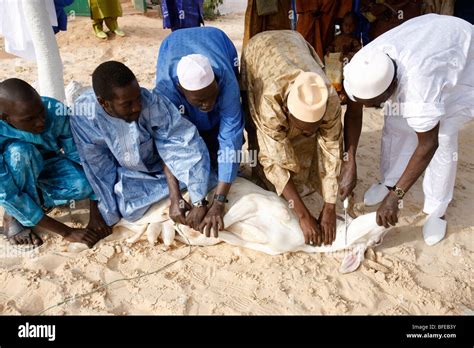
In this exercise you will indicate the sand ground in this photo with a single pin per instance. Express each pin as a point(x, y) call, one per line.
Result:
point(415, 279)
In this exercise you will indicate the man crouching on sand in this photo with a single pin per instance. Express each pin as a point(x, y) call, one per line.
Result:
point(40, 167)
point(133, 144)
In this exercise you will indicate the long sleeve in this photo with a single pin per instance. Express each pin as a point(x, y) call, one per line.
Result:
point(181, 148)
point(65, 137)
point(230, 132)
point(330, 138)
point(100, 168)
point(18, 203)
point(276, 153)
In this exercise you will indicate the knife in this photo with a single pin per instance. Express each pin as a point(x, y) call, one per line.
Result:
point(346, 205)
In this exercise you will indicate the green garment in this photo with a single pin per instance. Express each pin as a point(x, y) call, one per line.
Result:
point(105, 8)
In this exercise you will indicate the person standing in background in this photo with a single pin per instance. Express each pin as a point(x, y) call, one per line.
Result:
point(178, 14)
point(105, 11)
point(263, 15)
point(62, 16)
point(316, 21)
point(388, 14)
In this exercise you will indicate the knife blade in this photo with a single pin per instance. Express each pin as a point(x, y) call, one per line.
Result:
point(346, 205)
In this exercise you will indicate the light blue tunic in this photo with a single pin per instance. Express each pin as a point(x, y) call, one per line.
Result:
point(124, 161)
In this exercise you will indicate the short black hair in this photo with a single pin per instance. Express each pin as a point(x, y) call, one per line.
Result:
point(109, 75)
point(16, 89)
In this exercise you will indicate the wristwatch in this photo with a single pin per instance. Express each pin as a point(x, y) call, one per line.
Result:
point(398, 191)
point(202, 203)
point(220, 198)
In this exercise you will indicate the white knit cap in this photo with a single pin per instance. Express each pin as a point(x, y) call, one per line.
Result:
point(369, 73)
point(308, 97)
point(194, 72)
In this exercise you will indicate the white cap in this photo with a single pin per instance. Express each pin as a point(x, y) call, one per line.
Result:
point(369, 73)
point(308, 97)
point(194, 72)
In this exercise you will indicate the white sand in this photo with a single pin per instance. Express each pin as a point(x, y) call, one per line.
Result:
point(227, 280)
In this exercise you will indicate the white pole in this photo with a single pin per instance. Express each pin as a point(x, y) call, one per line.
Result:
point(50, 67)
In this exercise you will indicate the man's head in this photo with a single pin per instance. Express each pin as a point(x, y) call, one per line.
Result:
point(349, 23)
point(370, 78)
point(197, 82)
point(307, 101)
point(21, 106)
point(117, 90)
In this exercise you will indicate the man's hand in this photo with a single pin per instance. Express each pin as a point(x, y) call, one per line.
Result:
point(178, 209)
point(387, 213)
point(96, 221)
point(214, 220)
point(327, 222)
point(347, 178)
point(82, 235)
point(195, 216)
point(311, 230)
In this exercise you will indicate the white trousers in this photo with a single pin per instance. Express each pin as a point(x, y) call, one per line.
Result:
point(399, 142)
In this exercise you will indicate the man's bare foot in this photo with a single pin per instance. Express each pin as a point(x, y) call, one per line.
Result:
point(18, 234)
point(26, 237)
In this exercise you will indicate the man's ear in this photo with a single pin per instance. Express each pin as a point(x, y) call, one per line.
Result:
point(103, 102)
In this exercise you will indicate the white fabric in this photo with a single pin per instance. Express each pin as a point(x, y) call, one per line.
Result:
point(13, 26)
point(308, 97)
point(194, 72)
point(368, 74)
point(435, 68)
point(262, 221)
point(399, 141)
point(375, 194)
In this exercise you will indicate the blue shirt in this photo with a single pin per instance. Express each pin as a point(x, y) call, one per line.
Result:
point(178, 14)
point(56, 138)
point(227, 115)
point(61, 15)
point(160, 135)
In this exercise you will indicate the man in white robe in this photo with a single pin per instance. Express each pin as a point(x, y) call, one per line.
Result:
point(424, 72)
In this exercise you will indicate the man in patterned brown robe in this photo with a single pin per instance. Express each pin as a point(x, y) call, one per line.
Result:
point(293, 159)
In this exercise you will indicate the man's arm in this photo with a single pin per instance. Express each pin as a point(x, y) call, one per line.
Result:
point(184, 153)
point(230, 139)
point(62, 130)
point(23, 207)
point(309, 225)
point(387, 214)
point(178, 206)
point(231, 131)
point(352, 131)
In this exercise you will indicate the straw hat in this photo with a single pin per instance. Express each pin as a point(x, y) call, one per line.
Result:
point(308, 97)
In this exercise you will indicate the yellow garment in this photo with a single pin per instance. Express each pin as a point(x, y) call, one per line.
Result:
point(111, 23)
point(270, 63)
point(105, 8)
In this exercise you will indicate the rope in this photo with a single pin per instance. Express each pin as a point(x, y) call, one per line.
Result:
point(103, 286)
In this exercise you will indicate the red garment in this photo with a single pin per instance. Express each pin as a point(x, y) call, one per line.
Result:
point(317, 20)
